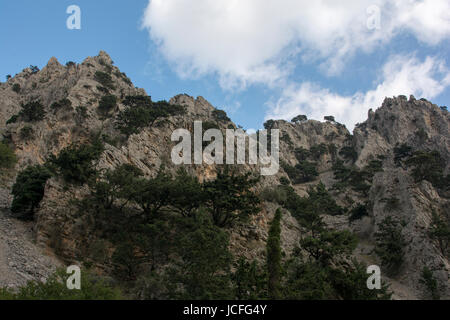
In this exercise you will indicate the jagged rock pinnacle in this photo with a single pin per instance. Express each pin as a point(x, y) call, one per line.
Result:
point(105, 56)
point(53, 62)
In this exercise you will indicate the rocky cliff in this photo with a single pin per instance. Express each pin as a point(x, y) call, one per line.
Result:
point(71, 94)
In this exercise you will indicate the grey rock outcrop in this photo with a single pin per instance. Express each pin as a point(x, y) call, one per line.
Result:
point(418, 123)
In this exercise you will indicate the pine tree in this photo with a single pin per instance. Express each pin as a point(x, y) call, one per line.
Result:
point(7, 156)
point(440, 231)
point(28, 190)
point(229, 197)
point(274, 257)
point(430, 283)
point(390, 244)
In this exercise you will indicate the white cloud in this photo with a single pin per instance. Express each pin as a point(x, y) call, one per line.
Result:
point(401, 75)
point(429, 20)
point(232, 107)
point(253, 41)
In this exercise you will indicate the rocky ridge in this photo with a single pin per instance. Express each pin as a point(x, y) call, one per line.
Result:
point(398, 121)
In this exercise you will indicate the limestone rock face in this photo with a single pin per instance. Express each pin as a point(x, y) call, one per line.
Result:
point(422, 126)
point(58, 227)
point(417, 123)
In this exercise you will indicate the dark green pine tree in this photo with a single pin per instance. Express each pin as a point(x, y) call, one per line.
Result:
point(28, 191)
point(274, 257)
point(230, 198)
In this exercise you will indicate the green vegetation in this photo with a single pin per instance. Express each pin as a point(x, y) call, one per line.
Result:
point(427, 279)
point(274, 269)
point(349, 153)
point(229, 197)
point(249, 280)
point(332, 150)
point(80, 114)
point(116, 184)
point(55, 288)
point(428, 166)
point(220, 116)
point(170, 232)
point(373, 167)
point(323, 202)
point(187, 194)
point(306, 209)
point(300, 118)
point(226, 199)
point(329, 118)
point(171, 238)
point(269, 124)
point(315, 153)
point(201, 269)
point(141, 112)
point(26, 133)
point(107, 104)
point(204, 272)
point(301, 154)
point(137, 116)
point(61, 104)
point(32, 112)
point(325, 245)
point(104, 79)
point(331, 136)
point(287, 139)
point(358, 212)
point(422, 135)
point(7, 156)
point(275, 195)
point(358, 180)
point(16, 88)
point(13, 119)
point(103, 89)
point(34, 69)
point(318, 151)
point(390, 244)
point(325, 271)
point(205, 127)
point(124, 77)
point(304, 171)
point(28, 191)
point(392, 204)
point(351, 177)
point(401, 152)
point(167, 237)
point(284, 181)
point(154, 195)
point(440, 232)
point(76, 163)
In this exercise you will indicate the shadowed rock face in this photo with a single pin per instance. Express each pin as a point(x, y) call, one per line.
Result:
point(417, 123)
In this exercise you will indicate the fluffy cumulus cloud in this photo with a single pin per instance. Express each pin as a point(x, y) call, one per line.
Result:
point(401, 75)
point(254, 41)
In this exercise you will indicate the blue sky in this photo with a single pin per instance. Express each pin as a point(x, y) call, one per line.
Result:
point(276, 60)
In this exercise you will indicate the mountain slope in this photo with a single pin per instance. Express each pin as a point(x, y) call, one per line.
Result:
point(359, 169)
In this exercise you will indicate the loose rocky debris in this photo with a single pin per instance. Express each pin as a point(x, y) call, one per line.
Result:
point(20, 259)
